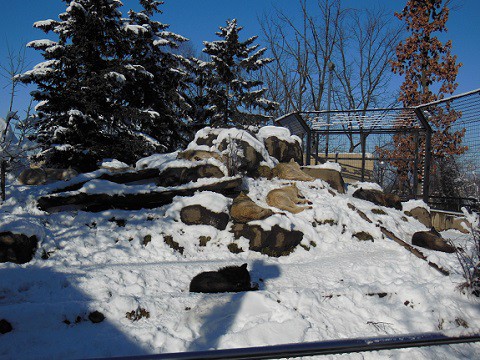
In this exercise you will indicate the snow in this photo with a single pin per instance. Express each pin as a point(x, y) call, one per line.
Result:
point(42, 68)
point(165, 161)
point(210, 200)
point(43, 23)
point(228, 135)
point(40, 104)
point(41, 43)
point(136, 29)
point(113, 164)
point(280, 132)
point(327, 292)
point(155, 160)
point(327, 165)
point(412, 204)
point(119, 78)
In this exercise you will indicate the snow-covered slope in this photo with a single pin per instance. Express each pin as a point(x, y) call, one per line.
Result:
point(117, 262)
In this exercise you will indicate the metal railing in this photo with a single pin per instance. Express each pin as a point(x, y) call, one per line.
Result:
point(330, 347)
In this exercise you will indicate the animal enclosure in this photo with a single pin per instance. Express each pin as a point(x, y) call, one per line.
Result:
point(376, 144)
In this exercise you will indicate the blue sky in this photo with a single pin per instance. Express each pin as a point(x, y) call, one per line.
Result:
point(199, 19)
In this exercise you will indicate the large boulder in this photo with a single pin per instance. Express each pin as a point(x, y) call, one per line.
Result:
point(431, 240)
point(241, 151)
point(242, 156)
point(379, 198)
point(332, 177)
point(280, 144)
point(17, 248)
point(198, 155)
point(283, 150)
point(198, 215)
point(275, 242)
point(245, 209)
point(173, 176)
point(422, 215)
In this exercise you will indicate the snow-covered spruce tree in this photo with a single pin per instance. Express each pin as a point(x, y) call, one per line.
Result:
point(93, 104)
point(233, 94)
point(199, 112)
point(159, 78)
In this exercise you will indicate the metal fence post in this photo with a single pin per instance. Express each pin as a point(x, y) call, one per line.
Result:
point(415, 166)
point(363, 140)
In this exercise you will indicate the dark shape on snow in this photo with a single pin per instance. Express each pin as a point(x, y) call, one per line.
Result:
point(363, 236)
point(275, 242)
point(96, 317)
point(432, 241)
point(5, 326)
point(17, 248)
point(379, 198)
point(228, 279)
point(198, 215)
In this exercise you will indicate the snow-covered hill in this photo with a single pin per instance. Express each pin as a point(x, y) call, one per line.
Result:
point(119, 263)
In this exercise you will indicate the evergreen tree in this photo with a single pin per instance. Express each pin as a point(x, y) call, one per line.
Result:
point(159, 77)
point(232, 92)
point(430, 72)
point(199, 113)
point(93, 88)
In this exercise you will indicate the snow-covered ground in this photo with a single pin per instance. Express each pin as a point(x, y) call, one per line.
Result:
point(332, 287)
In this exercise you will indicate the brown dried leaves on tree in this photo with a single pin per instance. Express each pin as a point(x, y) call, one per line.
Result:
point(429, 70)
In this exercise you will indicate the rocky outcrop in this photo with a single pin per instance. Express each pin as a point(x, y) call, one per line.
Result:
point(197, 155)
point(245, 209)
point(17, 248)
point(242, 157)
point(422, 215)
point(199, 215)
point(379, 198)
point(239, 149)
point(363, 236)
point(431, 240)
point(275, 242)
point(174, 176)
point(332, 177)
point(283, 150)
point(131, 201)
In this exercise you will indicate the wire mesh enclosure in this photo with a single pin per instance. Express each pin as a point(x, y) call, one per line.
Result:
point(455, 179)
point(430, 151)
point(359, 141)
